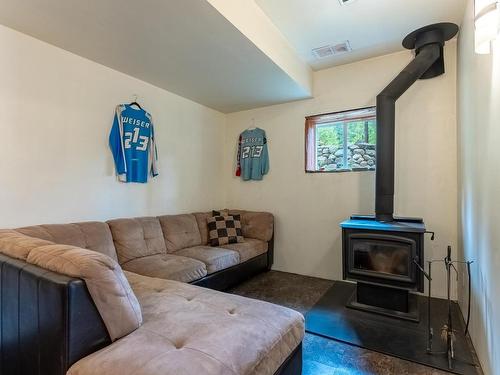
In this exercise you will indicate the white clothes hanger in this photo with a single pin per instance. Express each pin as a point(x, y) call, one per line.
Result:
point(134, 102)
point(252, 126)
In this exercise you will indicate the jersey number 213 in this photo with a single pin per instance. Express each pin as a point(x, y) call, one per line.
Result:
point(251, 151)
point(135, 138)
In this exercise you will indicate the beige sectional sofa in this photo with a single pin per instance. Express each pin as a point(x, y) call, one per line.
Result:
point(193, 330)
point(173, 247)
point(137, 272)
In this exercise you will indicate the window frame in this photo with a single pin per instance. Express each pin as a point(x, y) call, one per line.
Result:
point(310, 137)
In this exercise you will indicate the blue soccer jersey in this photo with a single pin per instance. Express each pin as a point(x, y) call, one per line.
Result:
point(132, 143)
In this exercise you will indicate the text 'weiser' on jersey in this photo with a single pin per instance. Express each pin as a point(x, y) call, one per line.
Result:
point(133, 144)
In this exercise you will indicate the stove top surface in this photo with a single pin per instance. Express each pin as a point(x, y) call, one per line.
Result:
point(415, 225)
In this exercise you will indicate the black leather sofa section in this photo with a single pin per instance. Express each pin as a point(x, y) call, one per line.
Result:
point(48, 321)
point(293, 364)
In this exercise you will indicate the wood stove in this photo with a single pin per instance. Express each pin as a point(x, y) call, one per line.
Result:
point(383, 257)
point(383, 253)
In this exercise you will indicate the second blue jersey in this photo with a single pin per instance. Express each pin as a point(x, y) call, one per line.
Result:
point(253, 158)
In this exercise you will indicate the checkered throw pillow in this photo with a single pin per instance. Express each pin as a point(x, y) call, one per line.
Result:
point(223, 230)
point(226, 213)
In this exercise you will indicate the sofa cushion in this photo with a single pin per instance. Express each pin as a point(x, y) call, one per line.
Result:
point(168, 266)
point(215, 258)
point(248, 249)
point(201, 219)
point(137, 237)
point(17, 245)
point(92, 235)
point(223, 230)
point(258, 225)
point(108, 286)
point(225, 212)
point(180, 231)
point(192, 330)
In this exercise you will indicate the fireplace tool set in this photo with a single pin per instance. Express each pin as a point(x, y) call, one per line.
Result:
point(447, 331)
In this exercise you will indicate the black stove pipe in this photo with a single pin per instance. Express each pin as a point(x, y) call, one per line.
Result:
point(386, 119)
point(428, 43)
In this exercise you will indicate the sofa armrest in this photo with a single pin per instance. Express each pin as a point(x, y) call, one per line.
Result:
point(48, 320)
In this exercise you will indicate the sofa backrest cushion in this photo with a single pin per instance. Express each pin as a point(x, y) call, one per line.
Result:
point(137, 237)
point(17, 245)
point(110, 290)
point(258, 225)
point(201, 219)
point(92, 235)
point(180, 231)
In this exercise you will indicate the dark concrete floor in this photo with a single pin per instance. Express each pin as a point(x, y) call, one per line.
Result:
point(323, 356)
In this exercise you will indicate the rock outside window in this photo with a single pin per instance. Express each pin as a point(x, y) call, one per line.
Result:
point(341, 141)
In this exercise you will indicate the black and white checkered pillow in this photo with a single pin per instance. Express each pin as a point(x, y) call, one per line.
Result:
point(223, 230)
point(226, 213)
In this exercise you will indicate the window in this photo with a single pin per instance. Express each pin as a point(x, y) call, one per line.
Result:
point(341, 141)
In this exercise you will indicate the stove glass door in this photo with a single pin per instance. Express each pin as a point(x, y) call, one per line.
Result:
point(383, 256)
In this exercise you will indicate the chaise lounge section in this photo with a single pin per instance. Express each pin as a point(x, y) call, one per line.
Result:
point(49, 313)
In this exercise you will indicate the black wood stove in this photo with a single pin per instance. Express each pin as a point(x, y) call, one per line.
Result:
point(383, 253)
point(382, 257)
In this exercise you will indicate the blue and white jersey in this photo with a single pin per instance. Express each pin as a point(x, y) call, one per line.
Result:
point(253, 158)
point(132, 143)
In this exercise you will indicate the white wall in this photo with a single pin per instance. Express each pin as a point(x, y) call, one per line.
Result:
point(55, 166)
point(309, 207)
point(56, 111)
point(479, 195)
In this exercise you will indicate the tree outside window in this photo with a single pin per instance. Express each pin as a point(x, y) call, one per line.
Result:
point(341, 141)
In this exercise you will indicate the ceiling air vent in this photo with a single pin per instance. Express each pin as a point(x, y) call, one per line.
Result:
point(342, 47)
point(327, 51)
point(345, 2)
point(323, 52)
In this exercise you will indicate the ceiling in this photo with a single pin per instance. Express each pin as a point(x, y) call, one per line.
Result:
point(184, 46)
point(373, 27)
point(229, 55)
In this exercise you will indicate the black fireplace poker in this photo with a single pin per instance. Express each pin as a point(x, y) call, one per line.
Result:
point(428, 43)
